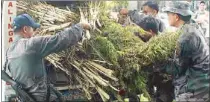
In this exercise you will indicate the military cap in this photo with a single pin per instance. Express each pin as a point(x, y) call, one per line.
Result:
point(179, 7)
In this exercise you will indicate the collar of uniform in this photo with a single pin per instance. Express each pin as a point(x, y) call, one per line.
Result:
point(17, 37)
point(182, 26)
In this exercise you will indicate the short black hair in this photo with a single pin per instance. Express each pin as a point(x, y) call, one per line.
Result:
point(152, 5)
point(202, 2)
point(185, 18)
point(149, 23)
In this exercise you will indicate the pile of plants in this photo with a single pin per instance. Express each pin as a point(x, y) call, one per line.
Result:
point(110, 57)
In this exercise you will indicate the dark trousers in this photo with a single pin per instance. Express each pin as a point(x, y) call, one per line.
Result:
point(165, 89)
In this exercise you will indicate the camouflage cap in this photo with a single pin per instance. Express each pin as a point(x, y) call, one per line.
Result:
point(179, 7)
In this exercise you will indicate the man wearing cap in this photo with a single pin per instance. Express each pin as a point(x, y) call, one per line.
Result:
point(190, 66)
point(25, 55)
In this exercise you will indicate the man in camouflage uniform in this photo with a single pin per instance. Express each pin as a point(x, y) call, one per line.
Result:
point(190, 66)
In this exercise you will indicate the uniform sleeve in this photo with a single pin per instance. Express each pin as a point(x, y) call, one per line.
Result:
point(187, 46)
point(45, 45)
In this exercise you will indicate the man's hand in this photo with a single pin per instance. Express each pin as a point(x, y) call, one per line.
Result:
point(136, 34)
point(145, 37)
